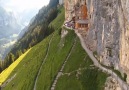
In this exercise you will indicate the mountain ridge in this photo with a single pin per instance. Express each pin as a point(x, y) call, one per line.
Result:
point(9, 29)
point(37, 30)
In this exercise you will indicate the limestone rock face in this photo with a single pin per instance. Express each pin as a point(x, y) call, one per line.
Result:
point(108, 32)
point(124, 39)
point(112, 84)
point(109, 28)
point(105, 27)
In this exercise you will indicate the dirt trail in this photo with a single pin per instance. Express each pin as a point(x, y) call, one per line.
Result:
point(60, 73)
point(124, 85)
point(43, 62)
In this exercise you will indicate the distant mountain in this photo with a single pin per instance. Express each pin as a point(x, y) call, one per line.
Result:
point(8, 24)
point(36, 31)
point(9, 30)
point(22, 32)
point(26, 16)
point(26, 28)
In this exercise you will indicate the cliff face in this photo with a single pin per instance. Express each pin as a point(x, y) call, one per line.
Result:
point(124, 39)
point(108, 33)
point(105, 16)
point(109, 26)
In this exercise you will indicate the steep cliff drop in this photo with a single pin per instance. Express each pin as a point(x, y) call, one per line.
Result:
point(109, 29)
point(107, 34)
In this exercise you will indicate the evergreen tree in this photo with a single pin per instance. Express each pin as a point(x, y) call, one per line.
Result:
point(37, 31)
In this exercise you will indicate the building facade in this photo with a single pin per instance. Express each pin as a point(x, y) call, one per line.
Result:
point(76, 11)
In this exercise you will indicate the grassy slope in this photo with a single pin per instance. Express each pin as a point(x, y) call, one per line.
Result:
point(56, 55)
point(5, 74)
point(77, 59)
point(89, 78)
point(27, 69)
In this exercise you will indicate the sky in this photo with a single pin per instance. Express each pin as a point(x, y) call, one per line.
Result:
point(22, 5)
point(25, 9)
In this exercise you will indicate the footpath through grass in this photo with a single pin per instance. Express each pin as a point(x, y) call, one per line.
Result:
point(27, 69)
point(80, 73)
point(89, 78)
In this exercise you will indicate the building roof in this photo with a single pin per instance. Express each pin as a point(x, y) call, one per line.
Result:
point(86, 21)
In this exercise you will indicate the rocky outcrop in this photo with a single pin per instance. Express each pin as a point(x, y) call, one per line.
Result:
point(109, 29)
point(64, 33)
point(105, 30)
point(111, 84)
point(108, 33)
point(124, 39)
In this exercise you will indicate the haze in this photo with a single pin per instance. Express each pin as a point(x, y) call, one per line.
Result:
point(25, 9)
point(21, 5)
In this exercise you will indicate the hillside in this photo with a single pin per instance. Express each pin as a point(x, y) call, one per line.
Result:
point(72, 45)
point(9, 29)
point(108, 31)
point(35, 32)
point(57, 53)
point(9, 24)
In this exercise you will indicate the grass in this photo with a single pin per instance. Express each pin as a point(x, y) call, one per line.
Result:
point(77, 59)
point(89, 79)
point(5, 74)
point(93, 79)
point(66, 28)
point(26, 71)
point(95, 53)
point(58, 22)
point(59, 49)
point(69, 83)
point(54, 61)
point(116, 71)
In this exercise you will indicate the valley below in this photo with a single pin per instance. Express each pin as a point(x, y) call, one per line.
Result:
point(6, 44)
point(68, 45)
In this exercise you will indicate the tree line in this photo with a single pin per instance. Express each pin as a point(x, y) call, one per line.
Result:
point(37, 31)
